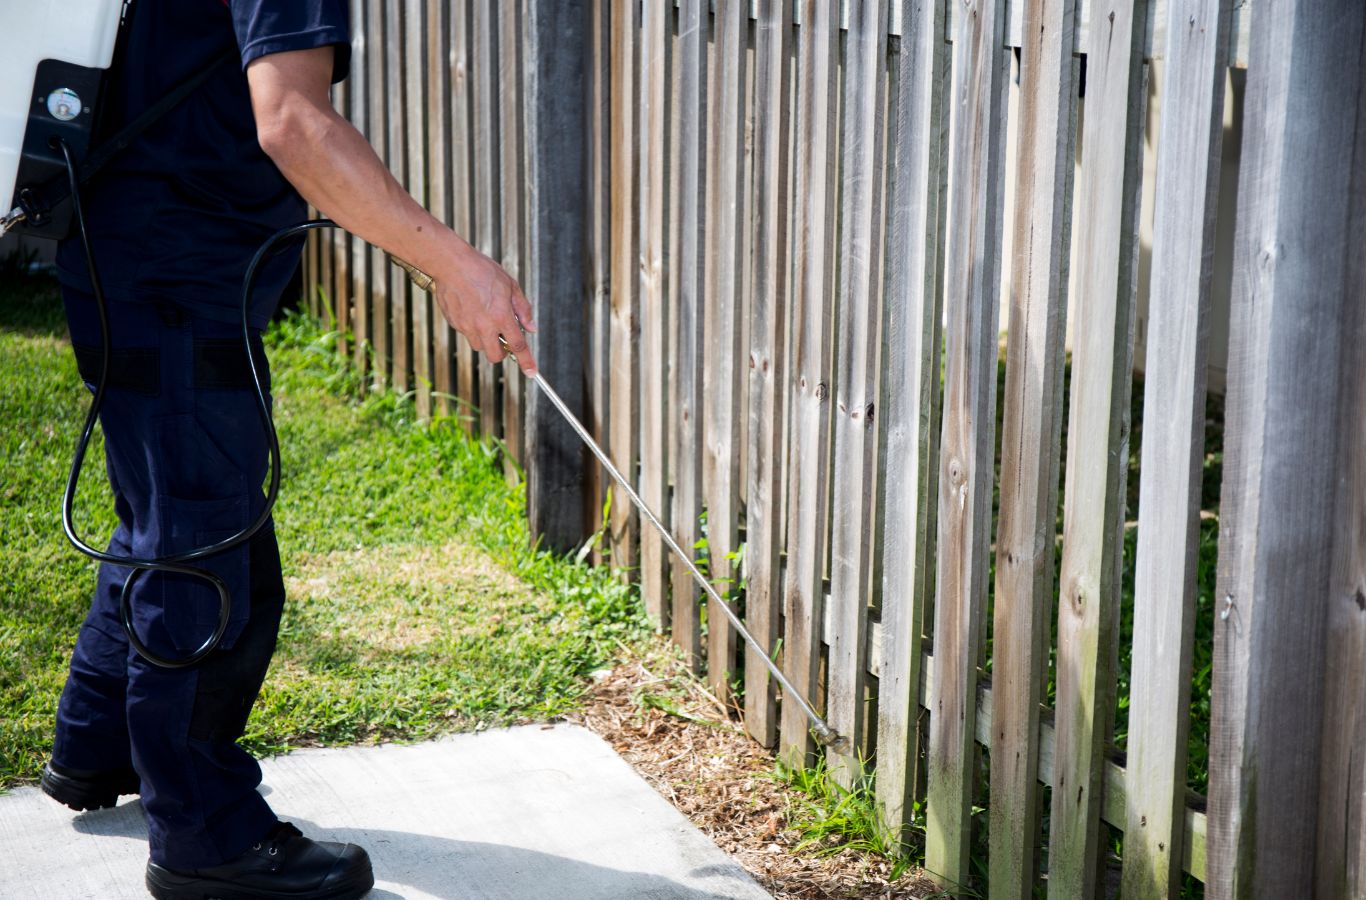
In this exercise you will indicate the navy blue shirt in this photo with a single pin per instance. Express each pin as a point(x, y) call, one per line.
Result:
point(177, 216)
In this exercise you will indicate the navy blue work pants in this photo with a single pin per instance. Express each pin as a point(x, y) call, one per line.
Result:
point(186, 455)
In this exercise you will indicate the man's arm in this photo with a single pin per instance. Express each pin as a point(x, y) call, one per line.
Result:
point(330, 163)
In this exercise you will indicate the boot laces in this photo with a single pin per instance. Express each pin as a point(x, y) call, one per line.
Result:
point(279, 835)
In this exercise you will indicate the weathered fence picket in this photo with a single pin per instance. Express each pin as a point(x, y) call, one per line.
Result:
point(809, 382)
point(462, 190)
point(767, 360)
point(599, 249)
point(765, 238)
point(1341, 856)
point(511, 181)
point(1097, 452)
point(623, 392)
point(436, 32)
point(1173, 444)
point(1297, 283)
point(910, 329)
point(485, 131)
point(854, 412)
point(416, 81)
point(380, 109)
point(687, 292)
point(339, 311)
point(655, 27)
point(359, 316)
point(400, 341)
point(1030, 434)
point(721, 323)
point(972, 276)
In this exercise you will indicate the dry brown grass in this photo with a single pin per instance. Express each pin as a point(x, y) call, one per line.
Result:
point(698, 757)
point(392, 598)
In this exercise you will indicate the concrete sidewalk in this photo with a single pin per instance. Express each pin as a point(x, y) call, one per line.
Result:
point(523, 813)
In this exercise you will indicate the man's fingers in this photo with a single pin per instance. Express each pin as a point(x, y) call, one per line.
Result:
point(522, 307)
point(493, 348)
point(520, 350)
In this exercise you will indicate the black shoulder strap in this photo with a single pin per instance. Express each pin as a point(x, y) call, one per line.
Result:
point(119, 142)
point(57, 190)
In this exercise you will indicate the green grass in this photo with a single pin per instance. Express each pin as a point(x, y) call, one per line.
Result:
point(417, 603)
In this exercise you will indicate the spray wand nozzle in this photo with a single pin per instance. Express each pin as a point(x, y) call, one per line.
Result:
point(15, 216)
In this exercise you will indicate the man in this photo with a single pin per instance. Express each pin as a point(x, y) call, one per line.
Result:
point(173, 222)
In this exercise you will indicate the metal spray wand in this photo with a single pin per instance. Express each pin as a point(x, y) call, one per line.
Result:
point(825, 735)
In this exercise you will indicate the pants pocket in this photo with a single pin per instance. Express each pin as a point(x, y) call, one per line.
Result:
point(192, 604)
point(203, 499)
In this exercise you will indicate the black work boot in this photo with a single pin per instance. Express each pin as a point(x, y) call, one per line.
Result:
point(81, 789)
point(282, 864)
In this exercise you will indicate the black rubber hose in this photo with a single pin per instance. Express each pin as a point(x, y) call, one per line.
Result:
point(175, 562)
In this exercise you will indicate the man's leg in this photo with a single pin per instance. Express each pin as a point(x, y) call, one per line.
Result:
point(186, 456)
point(189, 455)
point(91, 759)
point(201, 800)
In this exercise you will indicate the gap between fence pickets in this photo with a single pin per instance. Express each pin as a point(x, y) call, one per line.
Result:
point(1240, 38)
point(1112, 803)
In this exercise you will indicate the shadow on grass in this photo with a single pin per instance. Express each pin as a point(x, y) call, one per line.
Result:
point(32, 303)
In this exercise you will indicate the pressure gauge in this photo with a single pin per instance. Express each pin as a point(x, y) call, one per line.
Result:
point(64, 104)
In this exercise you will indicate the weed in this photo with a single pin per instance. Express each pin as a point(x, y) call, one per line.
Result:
point(830, 817)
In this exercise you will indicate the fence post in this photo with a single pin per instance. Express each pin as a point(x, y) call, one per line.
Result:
point(1294, 369)
point(556, 277)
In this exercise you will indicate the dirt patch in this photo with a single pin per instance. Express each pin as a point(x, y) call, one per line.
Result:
point(699, 758)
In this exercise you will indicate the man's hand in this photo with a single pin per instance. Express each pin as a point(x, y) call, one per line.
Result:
point(335, 170)
point(482, 302)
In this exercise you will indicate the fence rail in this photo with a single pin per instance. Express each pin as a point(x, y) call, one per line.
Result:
point(851, 291)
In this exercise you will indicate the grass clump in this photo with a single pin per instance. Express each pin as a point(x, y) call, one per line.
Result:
point(417, 602)
point(831, 818)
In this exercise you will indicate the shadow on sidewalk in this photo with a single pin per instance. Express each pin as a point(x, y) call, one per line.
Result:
point(467, 870)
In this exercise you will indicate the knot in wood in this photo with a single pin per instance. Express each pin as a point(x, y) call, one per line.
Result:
point(1266, 259)
point(822, 391)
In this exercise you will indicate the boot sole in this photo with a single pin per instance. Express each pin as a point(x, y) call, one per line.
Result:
point(79, 793)
point(164, 884)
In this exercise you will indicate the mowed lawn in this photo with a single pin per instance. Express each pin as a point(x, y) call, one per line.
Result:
point(416, 602)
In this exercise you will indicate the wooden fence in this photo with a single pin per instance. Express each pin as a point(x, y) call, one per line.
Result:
point(769, 244)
